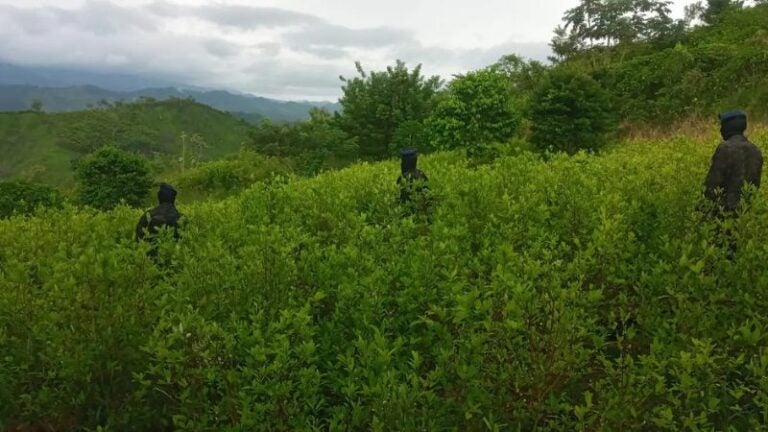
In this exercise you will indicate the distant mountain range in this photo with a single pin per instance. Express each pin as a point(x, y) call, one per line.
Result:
point(11, 74)
point(71, 90)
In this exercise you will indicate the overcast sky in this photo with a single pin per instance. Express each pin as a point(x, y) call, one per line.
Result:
point(287, 49)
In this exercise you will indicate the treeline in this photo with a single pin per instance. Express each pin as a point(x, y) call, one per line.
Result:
point(625, 61)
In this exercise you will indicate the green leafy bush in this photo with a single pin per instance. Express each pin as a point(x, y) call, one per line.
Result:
point(376, 104)
point(540, 297)
point(229, 176)
point(477, 109)
point(571, 112)
point(23, 198)
point(312, 145)
point(110, 176)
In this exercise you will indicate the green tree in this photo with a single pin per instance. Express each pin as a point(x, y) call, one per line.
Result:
point(606, 23)
point(477, 109)
point(110, 175)
point(710, 11)
point(412, 134)
point(524, 76)
point(375, 104)
point(571, 112)
point(314, 144)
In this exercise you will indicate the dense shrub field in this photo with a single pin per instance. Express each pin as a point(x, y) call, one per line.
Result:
point(225, 177)
point(556, 293)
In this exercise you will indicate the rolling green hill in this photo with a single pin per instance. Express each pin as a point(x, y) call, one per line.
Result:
point(41, 146)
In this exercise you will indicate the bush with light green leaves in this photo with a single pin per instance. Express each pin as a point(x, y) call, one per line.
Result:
point(538, 296)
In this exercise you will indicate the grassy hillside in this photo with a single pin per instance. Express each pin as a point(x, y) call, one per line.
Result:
point(42, 146)
point(572, 293)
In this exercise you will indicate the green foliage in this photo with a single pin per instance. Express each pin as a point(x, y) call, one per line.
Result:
point(524, 76)
point(150, 126)
point(693, 73)
point(540, 297)
point(376, 104)
point(477, 109)
point(228, 176)
point(723, 66)
point(571, 112)
point(192, 149)
point(110, 176)
point(52, 140)
point(314, 145)
point(23, 198)
point(412, 134)
point(606, 23)
point(712, 11)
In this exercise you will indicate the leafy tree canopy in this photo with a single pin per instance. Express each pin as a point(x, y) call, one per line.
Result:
point(571, 112)
point(477, 109)
point(109, 176)
point(376, 104)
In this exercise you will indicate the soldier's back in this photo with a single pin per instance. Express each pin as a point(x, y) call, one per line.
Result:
point(164, 215)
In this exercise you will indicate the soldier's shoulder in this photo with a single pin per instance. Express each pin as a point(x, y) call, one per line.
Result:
point(726, 147)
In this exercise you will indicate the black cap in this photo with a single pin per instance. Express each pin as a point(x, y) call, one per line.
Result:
point(731, 115)
point(408, 152)
point(166, 193)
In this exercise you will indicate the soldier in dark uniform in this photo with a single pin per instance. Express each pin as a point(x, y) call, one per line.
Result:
point(164, 215)
point(736, 163)
point(414, 187)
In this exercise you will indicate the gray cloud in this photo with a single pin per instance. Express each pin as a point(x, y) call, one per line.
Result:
point(294, 55)
point(221, 48)
point(101, 17)
point(338, 36)
point(474, 58)
point(96, 17)
point(234, 16)
point(326, 52)
point(276, 77)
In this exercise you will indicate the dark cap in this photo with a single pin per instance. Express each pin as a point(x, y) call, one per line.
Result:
point(731, 115)
point(408, 152)
point(166, 193)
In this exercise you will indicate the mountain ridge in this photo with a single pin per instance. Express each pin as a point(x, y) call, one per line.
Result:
point(61, 90)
